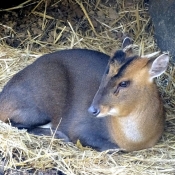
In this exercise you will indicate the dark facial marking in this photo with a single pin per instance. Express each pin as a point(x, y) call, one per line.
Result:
point(119, 56)
point(124, 66)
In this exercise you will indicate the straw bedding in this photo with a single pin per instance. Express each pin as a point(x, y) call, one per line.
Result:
point(47, 26)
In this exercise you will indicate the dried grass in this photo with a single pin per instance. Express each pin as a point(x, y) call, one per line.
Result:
point(23, 153)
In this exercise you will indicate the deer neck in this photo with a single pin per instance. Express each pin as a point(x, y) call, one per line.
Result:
point(141, 128)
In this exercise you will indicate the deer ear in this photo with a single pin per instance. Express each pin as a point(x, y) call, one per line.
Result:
point(158, 66)
point(127, 47)
point(126, 42)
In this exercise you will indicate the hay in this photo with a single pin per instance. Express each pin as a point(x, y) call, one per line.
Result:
point(99, 29)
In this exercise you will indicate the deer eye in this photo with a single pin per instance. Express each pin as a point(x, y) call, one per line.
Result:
point(121, 85)
point(124, 84)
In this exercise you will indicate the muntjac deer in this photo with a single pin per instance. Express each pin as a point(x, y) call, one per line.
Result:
point(59, 88)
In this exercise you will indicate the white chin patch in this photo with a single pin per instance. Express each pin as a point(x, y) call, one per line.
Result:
point(113, 112)
point(48, 125)
point(101, 115)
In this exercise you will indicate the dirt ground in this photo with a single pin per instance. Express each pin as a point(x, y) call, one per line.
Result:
point(20, 27)
point(25, 23)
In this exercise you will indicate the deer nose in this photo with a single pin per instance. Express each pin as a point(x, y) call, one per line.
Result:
point(94, 110)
